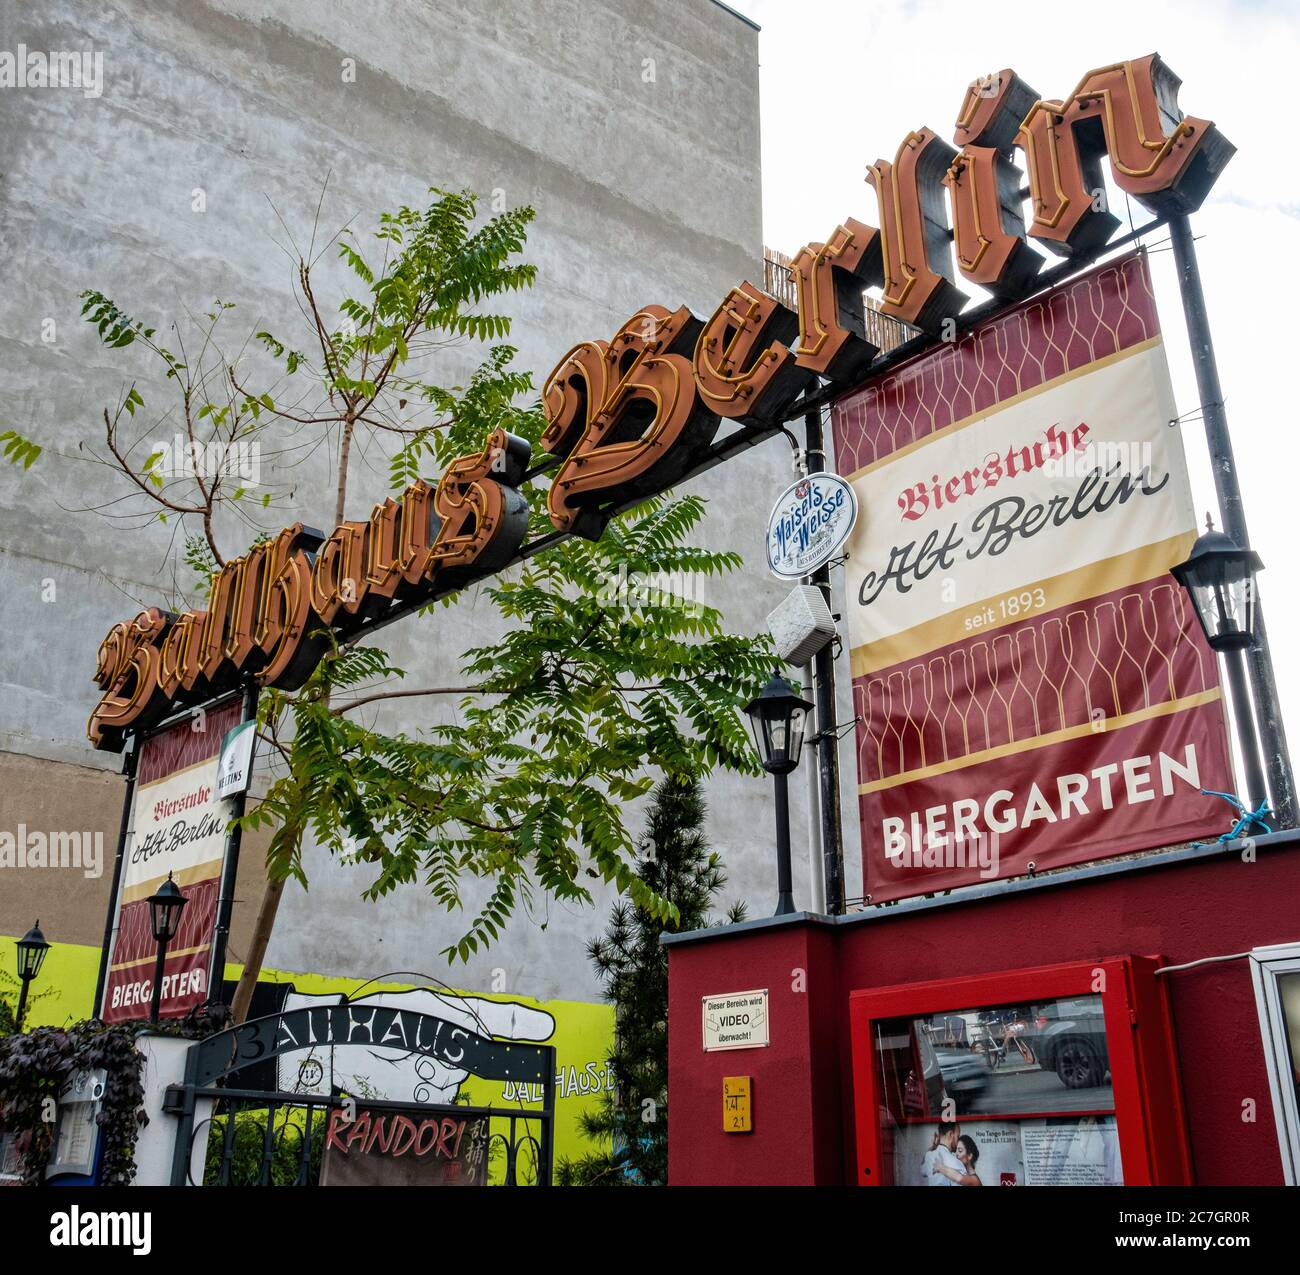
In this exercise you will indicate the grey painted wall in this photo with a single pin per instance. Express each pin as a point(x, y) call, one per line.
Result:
point(647, 189)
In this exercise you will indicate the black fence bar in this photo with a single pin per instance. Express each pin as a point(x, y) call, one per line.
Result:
point(304, 1177)
point(227, 1147)
point(268, 1143)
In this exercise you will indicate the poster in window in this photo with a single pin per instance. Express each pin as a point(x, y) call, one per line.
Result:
point(1042, 1151)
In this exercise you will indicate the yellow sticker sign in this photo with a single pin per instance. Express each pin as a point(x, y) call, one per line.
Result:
point(737, 1106)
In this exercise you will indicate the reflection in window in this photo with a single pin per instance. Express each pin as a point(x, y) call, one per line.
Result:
point(1011, 1095)
point(1288, 989)
point(1275, 972)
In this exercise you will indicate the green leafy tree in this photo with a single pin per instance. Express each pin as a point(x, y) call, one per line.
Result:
point(630, 1125)
point(248, 1165)
point(10, 994)
point(613, 669)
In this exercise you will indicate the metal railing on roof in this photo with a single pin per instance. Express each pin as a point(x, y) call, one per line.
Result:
point(883, 331)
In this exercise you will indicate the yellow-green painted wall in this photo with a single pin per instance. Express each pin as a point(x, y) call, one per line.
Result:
point(65, 989)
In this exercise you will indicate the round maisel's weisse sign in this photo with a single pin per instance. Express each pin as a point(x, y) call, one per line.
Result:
point(811, 520)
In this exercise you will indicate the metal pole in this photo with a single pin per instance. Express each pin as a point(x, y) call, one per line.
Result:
point(1256, 789)
point(22, 1006)
point(185, 1122)
point(1259, 661)
point(155, 1007)
point(828, 746)
point(229, 873)
point(129, 762)
point(784, 883)
point(816, 865)
point(546, 1158)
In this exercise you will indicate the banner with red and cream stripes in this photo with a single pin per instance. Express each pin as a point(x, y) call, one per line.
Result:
point(178, 826)
point(1032, 687)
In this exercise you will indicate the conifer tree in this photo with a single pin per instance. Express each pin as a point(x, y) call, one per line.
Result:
point(631, 1123)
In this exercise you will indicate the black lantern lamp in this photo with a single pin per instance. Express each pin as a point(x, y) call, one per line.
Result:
point(165, 919)
point(777, 719)
point(31, 956)
point(1219, 576)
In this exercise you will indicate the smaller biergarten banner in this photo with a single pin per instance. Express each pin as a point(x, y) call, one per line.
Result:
point(178, 826)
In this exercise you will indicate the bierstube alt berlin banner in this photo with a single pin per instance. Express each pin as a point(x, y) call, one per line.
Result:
point(179, 826)
point(1031, 684)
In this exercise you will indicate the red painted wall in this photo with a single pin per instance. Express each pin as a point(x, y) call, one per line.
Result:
point(793, 1141)
point(803, 1111)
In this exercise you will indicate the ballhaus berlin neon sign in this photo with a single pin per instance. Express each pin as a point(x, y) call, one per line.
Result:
point(629, 417)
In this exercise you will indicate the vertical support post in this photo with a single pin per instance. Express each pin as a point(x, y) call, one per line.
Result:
point(185, 1119)
point(828, 750)
point(160, 963)
point(229, 873)
point(303, 1177)
point(129, 761)
point(784, 879)
point(1256, 789)
point(1259, 660)
point(545, 1167)
point(816, 865)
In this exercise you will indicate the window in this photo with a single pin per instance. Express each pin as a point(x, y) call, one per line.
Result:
point(1276, 975)
point(1005, 1095)
point(1061, 1075)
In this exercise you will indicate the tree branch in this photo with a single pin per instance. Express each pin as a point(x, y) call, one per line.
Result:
point(432, 690)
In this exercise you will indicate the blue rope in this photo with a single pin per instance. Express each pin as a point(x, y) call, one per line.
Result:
point(1247, 818)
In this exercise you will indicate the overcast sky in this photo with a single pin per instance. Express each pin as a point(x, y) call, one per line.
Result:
point(843, 81)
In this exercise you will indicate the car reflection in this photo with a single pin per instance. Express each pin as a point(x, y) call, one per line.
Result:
point(1020, 1059)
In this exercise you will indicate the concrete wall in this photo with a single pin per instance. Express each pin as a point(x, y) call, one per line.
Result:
point(633, 129)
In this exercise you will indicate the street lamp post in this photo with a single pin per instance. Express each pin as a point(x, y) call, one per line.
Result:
point(165, 919)
point(1219, 575)
point(776, 717)
point(31, 956)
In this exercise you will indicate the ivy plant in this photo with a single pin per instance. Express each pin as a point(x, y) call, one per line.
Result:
point(34, 1067)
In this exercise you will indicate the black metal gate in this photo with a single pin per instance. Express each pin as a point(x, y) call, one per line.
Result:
point(275, 1138)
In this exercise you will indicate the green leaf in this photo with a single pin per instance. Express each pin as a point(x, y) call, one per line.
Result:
point(19, 450)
